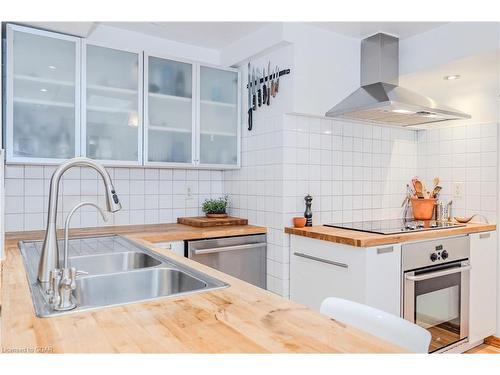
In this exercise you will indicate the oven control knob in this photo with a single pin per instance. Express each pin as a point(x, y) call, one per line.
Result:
point(444, 254)
point(434, 257)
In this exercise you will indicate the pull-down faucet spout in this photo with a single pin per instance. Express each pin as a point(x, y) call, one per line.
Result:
point(49, 259)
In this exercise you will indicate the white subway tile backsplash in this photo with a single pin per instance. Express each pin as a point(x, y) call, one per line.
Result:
point(14, 205)
point(137, 174)
point(34, 187)
point(146, 195)
point(31, 171)
point(14, 187)
point(137, 187)
point(14, 171)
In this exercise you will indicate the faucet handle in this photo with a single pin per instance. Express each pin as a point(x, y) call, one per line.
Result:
point(73, 274)
point(53, 291)
point(72, 278)
point(81, 273)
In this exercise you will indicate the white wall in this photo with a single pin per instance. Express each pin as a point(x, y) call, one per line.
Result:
point(326, 67)
point(120, 38)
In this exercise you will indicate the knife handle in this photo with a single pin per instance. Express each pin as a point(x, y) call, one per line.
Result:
point(268, 96)
point(250, 119)
point(259, 97)
point(254, 102)
point(264, 94)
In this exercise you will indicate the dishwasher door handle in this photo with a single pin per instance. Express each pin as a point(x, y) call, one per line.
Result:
point(229, 248)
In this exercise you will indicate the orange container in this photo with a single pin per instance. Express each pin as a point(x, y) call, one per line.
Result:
point(423, 208)
point(299, 222)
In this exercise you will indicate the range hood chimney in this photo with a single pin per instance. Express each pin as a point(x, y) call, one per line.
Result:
point(380, 99)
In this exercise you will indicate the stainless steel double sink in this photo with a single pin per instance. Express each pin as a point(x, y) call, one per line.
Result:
point(119, 272)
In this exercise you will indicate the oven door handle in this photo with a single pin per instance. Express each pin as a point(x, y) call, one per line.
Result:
point(431, 275)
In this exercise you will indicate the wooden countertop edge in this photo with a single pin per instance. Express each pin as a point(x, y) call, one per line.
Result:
point(363, 239)
point(167, 232)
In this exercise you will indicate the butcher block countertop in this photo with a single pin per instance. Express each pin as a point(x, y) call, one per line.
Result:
point(239, 319)
point(365, 239)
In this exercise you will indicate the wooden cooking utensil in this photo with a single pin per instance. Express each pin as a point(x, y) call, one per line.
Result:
point(435, 181)
point(436, 191)
point(419, 189)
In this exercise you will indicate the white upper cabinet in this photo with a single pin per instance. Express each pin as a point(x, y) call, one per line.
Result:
point(113, 105)
point(169, 112)
point(219, 111)
point(43, 95)
point(68, 97)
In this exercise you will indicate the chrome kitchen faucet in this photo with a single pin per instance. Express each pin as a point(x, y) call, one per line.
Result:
point(63, 280)
point(49, 259)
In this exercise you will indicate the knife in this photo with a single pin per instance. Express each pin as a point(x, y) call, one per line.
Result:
point(250, 106)
point(259, 89)
point(254, 96)
point(273, 84)
point(264, 86)
point(277, 86)
point(268, 102)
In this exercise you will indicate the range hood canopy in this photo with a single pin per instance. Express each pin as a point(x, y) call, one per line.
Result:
point(380, 99)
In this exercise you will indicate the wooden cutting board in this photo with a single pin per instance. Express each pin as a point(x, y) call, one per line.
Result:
point(203, 221)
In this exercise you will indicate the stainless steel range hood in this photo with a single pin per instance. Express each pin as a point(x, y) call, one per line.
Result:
point(380, 99)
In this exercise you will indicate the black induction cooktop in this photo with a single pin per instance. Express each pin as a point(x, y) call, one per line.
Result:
point(394, 226)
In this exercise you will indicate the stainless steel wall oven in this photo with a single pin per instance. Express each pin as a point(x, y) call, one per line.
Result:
point(435, 289)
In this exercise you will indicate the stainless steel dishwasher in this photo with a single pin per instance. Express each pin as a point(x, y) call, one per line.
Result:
point(243, 257)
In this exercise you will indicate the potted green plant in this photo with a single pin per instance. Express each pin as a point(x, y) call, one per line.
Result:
point(215, 207)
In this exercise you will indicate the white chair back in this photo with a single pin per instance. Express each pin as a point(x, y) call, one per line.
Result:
point(379, 323)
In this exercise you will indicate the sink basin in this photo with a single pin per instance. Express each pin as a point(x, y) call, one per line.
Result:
point(112, 262)
point(126, 287)
point(120, 272)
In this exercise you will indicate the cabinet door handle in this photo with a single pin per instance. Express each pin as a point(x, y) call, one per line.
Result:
point(485, 235)
point(333, 263)
point(384, 250)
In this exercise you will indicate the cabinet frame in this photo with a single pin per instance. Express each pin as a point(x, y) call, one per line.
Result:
point(140, 104)
point(9, 94)
point(197, 160)
point(145, 154)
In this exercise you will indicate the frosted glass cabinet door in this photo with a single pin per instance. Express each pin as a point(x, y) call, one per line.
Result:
point(113, 120)
point(219, 104)
point(42, 89)
point(169, 111)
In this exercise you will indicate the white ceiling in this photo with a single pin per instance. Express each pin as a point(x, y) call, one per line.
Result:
point(363, 29)
point(214, 35)
point(217, 35)
point(476, 92)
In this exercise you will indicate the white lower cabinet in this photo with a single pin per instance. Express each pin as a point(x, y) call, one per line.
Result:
point(483, 285)
point(176, 246)
point(321, 269)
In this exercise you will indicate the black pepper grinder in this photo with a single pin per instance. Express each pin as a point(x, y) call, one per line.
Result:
point(308, 214)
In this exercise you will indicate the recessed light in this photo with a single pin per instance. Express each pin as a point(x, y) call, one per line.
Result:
point(451, 77)
point(404, 111)
point(52, 67)
point(43, 90)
